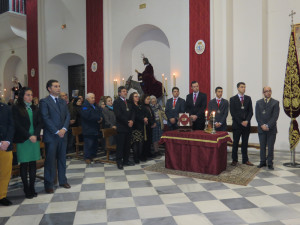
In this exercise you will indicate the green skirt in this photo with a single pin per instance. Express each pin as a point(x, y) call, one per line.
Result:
point(28, 151)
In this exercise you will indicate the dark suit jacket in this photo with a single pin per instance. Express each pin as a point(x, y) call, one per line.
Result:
point(222, 116)
point(238, 114)
point(6, 124)
point(53, 118)
point(89, 119)
point(22, 123)
point(199, 108)
point(174, 113)
point(270, 116)
point(122, 115)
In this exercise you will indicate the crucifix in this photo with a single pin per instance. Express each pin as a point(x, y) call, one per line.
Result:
point(292, 16)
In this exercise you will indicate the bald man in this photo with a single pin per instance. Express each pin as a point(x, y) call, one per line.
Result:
point(267, 112)
point(64, 96)
point(91, 116)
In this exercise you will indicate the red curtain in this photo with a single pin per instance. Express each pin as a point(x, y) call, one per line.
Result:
point(94, 38)
point(32, 46)
point(200, 30)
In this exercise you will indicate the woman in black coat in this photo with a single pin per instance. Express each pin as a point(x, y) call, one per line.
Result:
point(140, 120)
point(27, 122)
point(148, 127)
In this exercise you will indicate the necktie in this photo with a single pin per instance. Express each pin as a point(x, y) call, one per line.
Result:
point(266, 101)
point(57, 103)
point(242, 100)
point(218, 102)
point(195, 98)
point(174, 103)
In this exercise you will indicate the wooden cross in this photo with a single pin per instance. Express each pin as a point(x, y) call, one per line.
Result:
point(292, 16)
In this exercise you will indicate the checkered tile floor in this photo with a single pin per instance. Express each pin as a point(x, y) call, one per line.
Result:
point(102, 194)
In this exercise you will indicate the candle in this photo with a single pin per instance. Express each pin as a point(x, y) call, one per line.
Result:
point(174, 80)
point(163, 80)
point(166, 85)
point(206, 112)
point(123, 81)
point(115, 87)
point(213, 114)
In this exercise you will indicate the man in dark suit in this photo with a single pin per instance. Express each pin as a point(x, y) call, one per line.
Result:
point(90, 120)
point(124, 121)
point(220, 106)
point(174, 106)
point(267, 112)
point(241, 112)
point(195, 105)
point(56, 118)
point(6, 156)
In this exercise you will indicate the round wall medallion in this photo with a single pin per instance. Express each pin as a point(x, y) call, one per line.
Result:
point(32, 72)
point(94, 66)
point(199, 46)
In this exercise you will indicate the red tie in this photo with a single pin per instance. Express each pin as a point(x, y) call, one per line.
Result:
point(174, 103)
point(242, 100)
point(218, 102)
point(195, 98)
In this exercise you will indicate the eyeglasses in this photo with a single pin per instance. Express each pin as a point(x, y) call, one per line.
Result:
point(267, 91)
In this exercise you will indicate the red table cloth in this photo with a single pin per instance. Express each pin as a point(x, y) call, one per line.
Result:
point(196, 151)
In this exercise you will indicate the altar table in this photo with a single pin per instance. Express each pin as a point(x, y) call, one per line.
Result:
point(196, 151)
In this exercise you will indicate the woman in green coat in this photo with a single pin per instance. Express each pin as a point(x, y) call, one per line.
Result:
point(28, 126)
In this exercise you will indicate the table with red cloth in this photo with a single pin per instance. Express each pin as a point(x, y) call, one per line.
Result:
point(196, 151)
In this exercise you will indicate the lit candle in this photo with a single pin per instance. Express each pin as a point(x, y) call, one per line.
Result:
point(206, 112)
point(174, 80)
point(166, 84)
point(115, 87)
point(213, 114)
point(123, 81)
point(163, 80)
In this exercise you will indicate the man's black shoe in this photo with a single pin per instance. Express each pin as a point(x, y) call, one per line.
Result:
point(270, 167)
point(261, 165)
point(120, 166)
point(5, 202)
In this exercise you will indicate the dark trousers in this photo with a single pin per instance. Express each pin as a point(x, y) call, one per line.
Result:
point(147, 143)
point(25, 169)
point(55, 154)
point(90, 146)
point(267, 138)
point(198, 124)
point(237, 133)
point(123, 147)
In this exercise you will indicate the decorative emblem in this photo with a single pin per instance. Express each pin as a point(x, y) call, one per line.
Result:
point(94, 66)
point(32, 72)
point(199, 47)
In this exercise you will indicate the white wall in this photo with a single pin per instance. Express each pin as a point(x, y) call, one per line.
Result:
point(250, 44)
point(54, 41)
point(170, 16)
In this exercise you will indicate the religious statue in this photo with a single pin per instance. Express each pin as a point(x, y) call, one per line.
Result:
point(16, 87)
point(149, 84)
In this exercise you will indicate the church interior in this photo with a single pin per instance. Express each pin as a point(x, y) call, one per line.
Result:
point(94, 46)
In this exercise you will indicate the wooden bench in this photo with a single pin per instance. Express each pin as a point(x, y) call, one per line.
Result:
point(76, 131)
point(253, 130)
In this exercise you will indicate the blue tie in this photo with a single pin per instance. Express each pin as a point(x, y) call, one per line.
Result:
point(57, 103)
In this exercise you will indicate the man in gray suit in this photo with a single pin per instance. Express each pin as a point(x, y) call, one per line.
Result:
point(174, 106)
point(56, 118)
point(267, 112)
point(220, 106)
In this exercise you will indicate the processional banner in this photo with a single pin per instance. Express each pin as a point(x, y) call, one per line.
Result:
point(291, 95)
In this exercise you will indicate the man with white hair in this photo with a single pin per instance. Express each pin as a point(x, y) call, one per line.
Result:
point(91, 116)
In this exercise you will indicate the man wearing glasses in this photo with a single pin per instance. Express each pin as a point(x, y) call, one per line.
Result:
point(267, 112)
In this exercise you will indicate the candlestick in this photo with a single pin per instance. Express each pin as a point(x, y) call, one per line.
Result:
point(123, 81)
point(213, 114)
point(166, 85)
point(206, 112)
point(163, 80)
point(174, 80)
point(115, 87)
point(213, 123)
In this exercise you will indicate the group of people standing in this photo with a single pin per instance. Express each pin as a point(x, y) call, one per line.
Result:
point(138, 122)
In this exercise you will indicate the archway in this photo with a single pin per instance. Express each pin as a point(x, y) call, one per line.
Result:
point(14, 67)
point(61, 67)
point(150, 41)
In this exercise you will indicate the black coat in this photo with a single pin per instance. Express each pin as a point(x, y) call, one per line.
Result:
point(90, 118)
point(6, 124)
point(149, 114)
point(198, 109)
point(238, 114)
point(139, 112)
point(22, 123)
point(122, 115)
